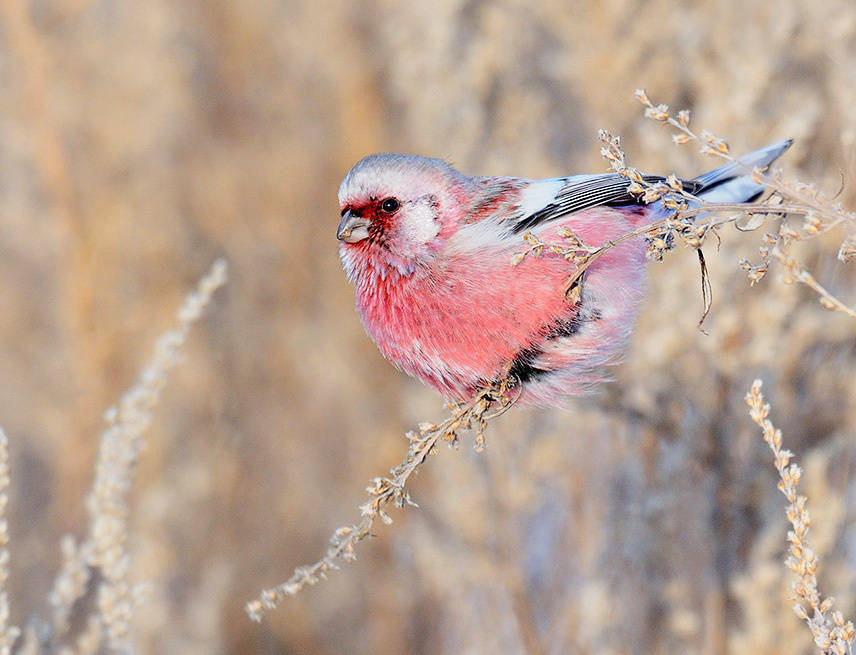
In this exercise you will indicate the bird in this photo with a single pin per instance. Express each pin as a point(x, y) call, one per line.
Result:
point(429, 251)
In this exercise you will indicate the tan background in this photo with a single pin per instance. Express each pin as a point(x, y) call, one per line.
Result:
point(141, 140)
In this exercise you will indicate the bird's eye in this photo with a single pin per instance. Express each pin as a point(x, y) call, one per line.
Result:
point(389, 205)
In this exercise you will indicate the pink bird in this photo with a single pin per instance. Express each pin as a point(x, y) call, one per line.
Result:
point(429, 251)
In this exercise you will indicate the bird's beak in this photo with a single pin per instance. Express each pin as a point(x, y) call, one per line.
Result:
point(352, 228)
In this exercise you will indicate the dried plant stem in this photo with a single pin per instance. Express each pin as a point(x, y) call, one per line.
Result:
point(821, 214)
point(795, 272)
point(706, 208)
point(832, 634)
point(383, 491)
point(712, 145)
point(105, 547)
point(8, 633)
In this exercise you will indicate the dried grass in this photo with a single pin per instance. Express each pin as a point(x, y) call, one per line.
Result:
point(101, 563)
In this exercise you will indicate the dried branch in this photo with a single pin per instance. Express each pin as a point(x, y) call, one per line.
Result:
point(832, 634)
point(385, 491)
point(820, 213)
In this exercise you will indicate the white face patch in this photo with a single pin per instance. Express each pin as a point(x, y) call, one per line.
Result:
point(417, 223)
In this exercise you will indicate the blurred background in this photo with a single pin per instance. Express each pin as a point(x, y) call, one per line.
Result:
point(140, 141)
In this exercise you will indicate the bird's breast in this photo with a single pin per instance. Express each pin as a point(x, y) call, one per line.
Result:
point(456, 325)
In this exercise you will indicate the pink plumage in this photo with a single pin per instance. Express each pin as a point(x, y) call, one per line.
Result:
point(429, 251)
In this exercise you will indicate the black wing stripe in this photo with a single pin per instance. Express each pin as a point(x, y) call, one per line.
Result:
point(608, 190)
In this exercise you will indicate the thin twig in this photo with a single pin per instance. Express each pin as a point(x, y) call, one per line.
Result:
point(821, 214)
point(706, 208)
point(385, 491)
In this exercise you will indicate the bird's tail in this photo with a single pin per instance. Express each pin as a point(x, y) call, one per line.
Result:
point(733, 182)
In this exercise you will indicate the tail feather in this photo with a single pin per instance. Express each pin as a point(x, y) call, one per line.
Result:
point(733, 182)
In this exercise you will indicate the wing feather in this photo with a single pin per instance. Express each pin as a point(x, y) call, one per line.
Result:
point(586, 191)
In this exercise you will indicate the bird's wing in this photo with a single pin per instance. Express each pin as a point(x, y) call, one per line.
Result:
point(546, 200)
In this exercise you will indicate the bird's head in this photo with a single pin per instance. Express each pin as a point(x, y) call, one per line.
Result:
point(402, 206)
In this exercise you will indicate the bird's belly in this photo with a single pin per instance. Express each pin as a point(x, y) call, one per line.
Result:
point(463, 327)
